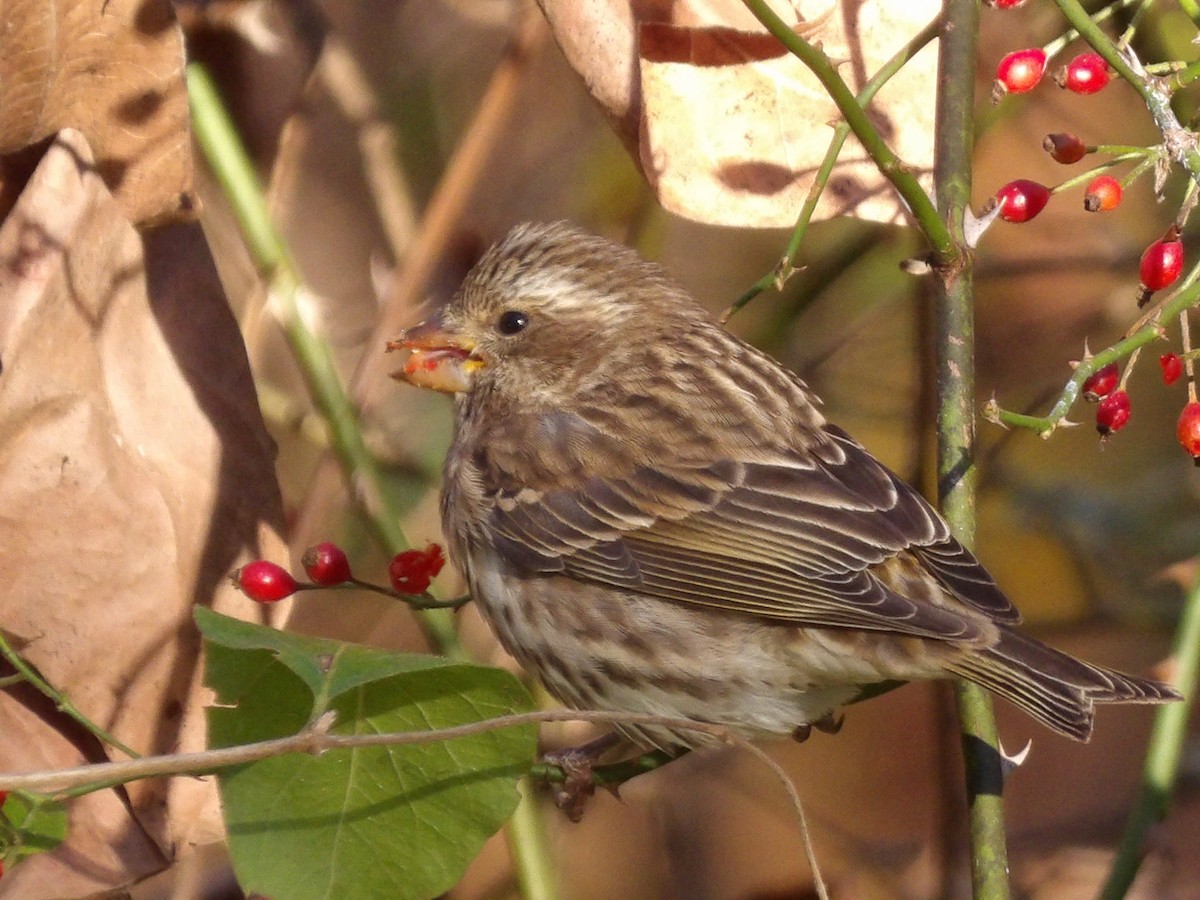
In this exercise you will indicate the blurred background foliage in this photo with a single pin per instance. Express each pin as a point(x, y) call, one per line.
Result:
point(1091, 541)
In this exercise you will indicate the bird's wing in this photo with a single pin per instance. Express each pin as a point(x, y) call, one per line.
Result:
point(825, 537)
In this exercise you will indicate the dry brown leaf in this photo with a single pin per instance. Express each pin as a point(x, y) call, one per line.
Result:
point(113, 70)
point(135, 473)
point(730, 130)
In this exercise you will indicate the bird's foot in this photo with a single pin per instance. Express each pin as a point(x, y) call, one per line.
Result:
point(828, 723)
point(576, 764)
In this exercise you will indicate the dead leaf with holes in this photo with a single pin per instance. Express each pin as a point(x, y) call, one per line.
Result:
point(728, 127)
point(114, 71)
point(135, 473)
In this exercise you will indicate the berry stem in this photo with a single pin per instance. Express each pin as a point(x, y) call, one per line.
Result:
point(1189, 359)
point(1133, 358)
point(1146, 155)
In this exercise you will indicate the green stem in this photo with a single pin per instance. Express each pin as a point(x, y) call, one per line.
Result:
point(61, 702)
point(1107, 12)
point(1147, 158)
point(840, 132)
point(1191, 9)
point(1187, 296)
point(1163, 755)
point(886, 161)
point(234, 170)
point(527, 846)
point(956, 424)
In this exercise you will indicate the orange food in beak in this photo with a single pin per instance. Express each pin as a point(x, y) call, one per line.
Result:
point(438, 359)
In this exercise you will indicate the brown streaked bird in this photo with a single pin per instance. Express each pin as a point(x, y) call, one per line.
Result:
point(655, 517)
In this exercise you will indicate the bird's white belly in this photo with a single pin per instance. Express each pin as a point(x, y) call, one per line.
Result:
point(598, 648)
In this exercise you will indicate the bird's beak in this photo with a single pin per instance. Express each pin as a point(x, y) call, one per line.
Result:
point(438, 358)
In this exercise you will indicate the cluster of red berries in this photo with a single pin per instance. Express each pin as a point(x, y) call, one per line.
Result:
point(326, 564)
point(1021, 200)
point(1104, 388)
point(1021, 71)
point(1161, 263)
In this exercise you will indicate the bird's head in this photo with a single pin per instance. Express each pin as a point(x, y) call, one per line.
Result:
point(547, 311)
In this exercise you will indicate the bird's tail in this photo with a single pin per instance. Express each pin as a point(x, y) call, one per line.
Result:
point(1056, 689)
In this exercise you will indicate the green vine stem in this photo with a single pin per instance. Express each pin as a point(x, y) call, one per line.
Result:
point(886, 161)
point(1148, 331)
point(1164, 753)
point(955, 366)
point(234, 170)
point(787, 263)
point(62, 703)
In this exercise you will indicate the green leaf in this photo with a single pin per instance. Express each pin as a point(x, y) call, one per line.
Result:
point(399, 821)
point(329, 668)
point(37, 824)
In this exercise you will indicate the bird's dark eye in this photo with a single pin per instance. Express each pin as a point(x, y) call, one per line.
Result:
point(512, 321)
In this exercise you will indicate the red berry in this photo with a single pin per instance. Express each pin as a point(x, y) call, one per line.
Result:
point(1021, 200)
point(1018, 72)
point(1112, 413)
point(1103, 193)
point(436, 560)
point(1188, 429)
point(1161, 264)
point(264, 581)
point(411, 571)
point(1005, 4)
point(1172, 367)
point(1101, 382)
point(1085, 74)
point(326, 564)
point(1065, 148)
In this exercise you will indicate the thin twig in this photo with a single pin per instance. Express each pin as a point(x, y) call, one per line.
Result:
point(316, 739)
point(787, 264)
point(61, 701)
point(441, 217)
point(348, 86)
point(890, 166)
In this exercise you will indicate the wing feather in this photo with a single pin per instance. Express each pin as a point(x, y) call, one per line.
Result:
point(793, 537)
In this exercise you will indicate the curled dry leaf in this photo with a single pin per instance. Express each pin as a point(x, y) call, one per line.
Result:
point(114, 71)
point(135, 473)
point(729, 128)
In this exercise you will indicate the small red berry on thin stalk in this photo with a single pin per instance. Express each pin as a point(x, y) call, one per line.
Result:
point(326, 564)
point(411, 571)
point(1021, 200)
point(1101, 383)
point(1172, 367)
point(1161, 264)
point(1102, 194)
point(264, 582)
point(1019, 72)
point(1085, 74)
point(1112, 414)
point(1188, 430)
point(1064, 148)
